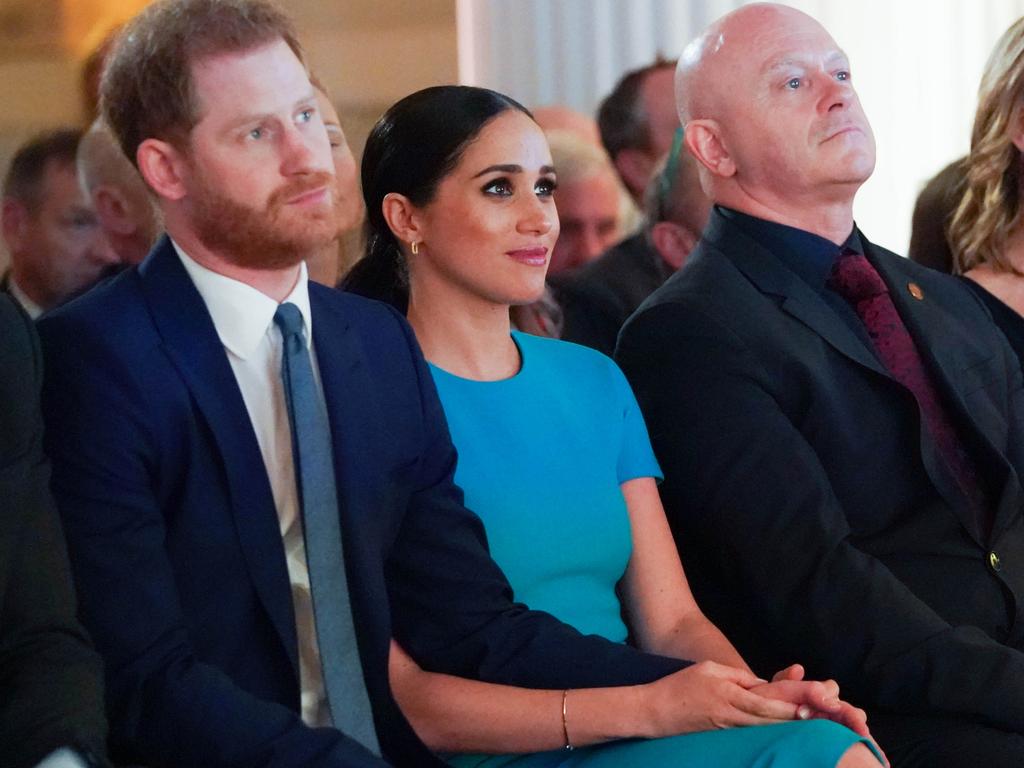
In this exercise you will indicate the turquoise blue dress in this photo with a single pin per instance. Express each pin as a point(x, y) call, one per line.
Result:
point(541, 458)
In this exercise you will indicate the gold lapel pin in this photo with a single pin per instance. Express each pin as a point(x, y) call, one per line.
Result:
point(915, 291)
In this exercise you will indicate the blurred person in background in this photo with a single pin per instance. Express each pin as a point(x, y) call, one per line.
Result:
point(637, 121)
point(596, 299)
point(91, 72)
point(556, 117)
point(57, 246)
point(987, 230)
point(51, 685)
point(123, 204)
point(325, 266)
point(933, 212)
point(590, 199)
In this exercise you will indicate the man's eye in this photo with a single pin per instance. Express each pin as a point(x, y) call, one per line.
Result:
point(793, 83)
point(501, 187)
point(305, 115)
point(337, 138)
point(80, 221)
point(843, 75)
point(256, 134)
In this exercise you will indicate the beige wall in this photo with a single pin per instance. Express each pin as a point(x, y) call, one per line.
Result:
point(368, 52)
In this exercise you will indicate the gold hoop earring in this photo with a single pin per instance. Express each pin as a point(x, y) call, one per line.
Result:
point(415, 247)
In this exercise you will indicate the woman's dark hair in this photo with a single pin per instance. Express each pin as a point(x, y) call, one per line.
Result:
point(410, 150)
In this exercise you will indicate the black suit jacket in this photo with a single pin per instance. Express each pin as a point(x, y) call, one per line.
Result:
point(809, 505)
point(50, 679)
point(597, 298)
point(176, 545)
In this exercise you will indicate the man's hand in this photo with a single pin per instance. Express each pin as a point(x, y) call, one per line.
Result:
point(814, 699)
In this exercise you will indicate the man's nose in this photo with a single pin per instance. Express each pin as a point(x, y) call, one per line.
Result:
point(300, 153)
point(838, 94)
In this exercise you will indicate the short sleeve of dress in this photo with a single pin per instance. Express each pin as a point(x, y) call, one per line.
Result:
point(636, 457)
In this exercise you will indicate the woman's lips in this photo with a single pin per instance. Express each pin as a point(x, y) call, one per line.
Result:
point(534, 257)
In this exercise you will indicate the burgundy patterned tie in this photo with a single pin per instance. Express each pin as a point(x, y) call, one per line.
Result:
point(856, 280)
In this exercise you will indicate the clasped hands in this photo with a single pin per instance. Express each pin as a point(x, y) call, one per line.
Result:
point(812, 699)
point(708, 695)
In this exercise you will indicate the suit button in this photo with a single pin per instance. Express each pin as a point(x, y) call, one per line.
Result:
point(995, 562)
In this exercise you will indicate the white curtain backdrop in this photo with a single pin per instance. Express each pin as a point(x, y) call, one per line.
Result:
point(916, 65)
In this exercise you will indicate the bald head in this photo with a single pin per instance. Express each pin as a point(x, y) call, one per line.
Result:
point(771, 114)
point(724, 47)
point(101, 161)
point(556, 117)
point(118, 193)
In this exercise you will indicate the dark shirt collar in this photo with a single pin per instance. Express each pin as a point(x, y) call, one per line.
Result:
point(810, 256)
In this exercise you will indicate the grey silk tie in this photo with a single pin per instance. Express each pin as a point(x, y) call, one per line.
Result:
point(321, 525)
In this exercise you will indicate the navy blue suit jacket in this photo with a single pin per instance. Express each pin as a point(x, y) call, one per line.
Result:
point(176, 548)
point(809, 501)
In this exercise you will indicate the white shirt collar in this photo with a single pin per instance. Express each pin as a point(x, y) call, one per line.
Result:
point(32, 309)
point(241, 314)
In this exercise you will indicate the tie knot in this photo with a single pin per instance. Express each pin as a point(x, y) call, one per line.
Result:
point(854, 278)
point(289, 319)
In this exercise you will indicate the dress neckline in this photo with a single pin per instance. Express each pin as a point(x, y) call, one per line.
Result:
point(517, 340)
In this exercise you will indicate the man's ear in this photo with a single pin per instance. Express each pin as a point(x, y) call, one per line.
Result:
point(402, 218)
point(704, 140)
point(112, 210)
point(635, 167)
point(163, 167)
point(13, 222)
point(673, 242)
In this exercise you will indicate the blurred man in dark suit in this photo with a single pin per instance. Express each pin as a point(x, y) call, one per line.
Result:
point(57, 246)
point(51, 702)
point(597, 298)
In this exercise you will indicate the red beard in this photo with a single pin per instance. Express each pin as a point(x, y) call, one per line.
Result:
point(277, 236)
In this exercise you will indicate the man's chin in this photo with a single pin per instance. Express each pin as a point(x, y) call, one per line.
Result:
point(277, 238)
point(271, 253)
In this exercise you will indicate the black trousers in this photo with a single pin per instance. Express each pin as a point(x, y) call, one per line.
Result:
point(919, 741)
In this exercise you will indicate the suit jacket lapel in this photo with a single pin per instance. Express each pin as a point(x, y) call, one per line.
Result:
point(945, 363)
point(772, 277)
point(191, 342)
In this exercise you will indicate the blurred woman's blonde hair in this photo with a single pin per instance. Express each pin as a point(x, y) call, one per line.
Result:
point(990, 207)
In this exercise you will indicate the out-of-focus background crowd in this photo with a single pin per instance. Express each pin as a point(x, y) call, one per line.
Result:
point(917, 64)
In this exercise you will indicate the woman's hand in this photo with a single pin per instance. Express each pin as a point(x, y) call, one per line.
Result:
point(708, 696)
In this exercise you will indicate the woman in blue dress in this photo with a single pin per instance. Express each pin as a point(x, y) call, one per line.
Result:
point(554, 457)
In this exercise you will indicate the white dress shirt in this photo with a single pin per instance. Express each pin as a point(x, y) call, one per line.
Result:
point(32, 309)
point(244, 320)
point(62, 758)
